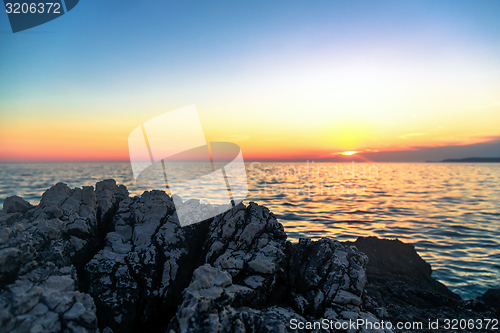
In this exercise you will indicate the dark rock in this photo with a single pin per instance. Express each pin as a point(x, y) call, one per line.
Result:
point(213, 303)
point(392, 260)
point(138, 277)
point(46, 300)
point(85, 260)
point(252, 281)
point(400, 287)
point(41, 253)
point(326, 274)
point(248, 243)
point(233, 290)
point(108, 196)
point(492, 299)
point(16, 204)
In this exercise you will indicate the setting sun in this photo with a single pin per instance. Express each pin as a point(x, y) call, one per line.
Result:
point(348, 153)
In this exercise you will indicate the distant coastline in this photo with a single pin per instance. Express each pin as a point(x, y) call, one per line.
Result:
point(469, 160)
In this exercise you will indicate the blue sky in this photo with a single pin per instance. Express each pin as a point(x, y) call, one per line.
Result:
point(134, 60)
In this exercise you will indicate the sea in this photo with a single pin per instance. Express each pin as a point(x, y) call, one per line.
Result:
point(449, 211)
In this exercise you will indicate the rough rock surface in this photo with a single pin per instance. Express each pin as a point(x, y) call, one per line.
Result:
point(42, 250)
point(87, 260)
point(253, 281)
point(138, 277)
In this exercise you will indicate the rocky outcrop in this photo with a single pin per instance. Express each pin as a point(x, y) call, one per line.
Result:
point(491, 299)
point(87, 260)
point(254, 281)
point(326, 277)
point(15, 204)
point(400, 287)
point(138, 277)
point(42, 250)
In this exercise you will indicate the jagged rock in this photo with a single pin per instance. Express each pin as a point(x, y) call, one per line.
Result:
point(85, 260)
point(245, 258)
point(46, 300)
point(212, 303)
point(249, 243)
point(326, 274)
point(41, 252)
point(108, 196)
point(147, 261)
point(192, 211)
point(253, 281)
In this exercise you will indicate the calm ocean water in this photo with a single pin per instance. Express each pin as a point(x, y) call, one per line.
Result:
point(450, 212)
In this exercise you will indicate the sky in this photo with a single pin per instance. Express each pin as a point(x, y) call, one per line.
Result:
point(285, 80)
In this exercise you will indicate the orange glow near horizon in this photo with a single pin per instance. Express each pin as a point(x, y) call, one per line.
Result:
point(71, 140)
point(262, 132)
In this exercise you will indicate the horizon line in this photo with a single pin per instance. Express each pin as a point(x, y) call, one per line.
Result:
point(246, 161)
